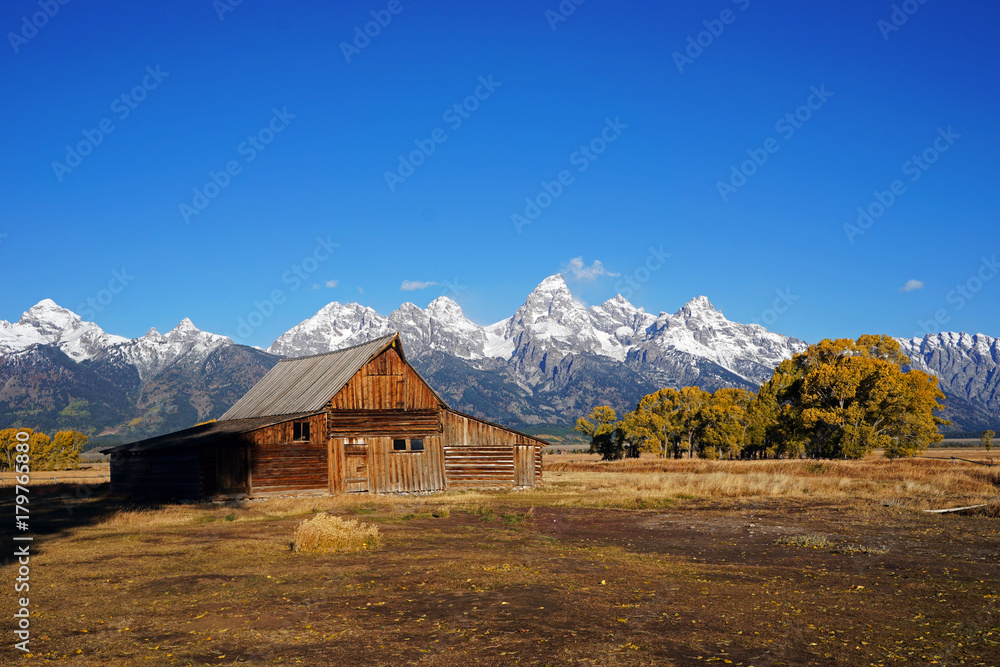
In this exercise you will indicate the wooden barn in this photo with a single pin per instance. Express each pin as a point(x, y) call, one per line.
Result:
point(355, 420)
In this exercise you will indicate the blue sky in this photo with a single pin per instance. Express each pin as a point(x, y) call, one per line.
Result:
point(644, 125)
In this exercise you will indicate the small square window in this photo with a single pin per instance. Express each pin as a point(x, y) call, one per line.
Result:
point(417, 445)
point(399, 445)
point(300, 431)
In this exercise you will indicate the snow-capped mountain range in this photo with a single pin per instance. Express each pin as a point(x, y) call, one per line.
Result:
point(551, 322)
point(550, 362)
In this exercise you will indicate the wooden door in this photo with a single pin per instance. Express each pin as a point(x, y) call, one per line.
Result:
point(524, 465)
point(356, 468)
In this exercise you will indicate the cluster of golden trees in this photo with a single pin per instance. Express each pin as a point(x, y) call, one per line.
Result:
point(837, 399)
point(60, 452)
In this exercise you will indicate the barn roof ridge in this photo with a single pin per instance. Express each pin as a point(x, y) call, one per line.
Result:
point(387, 338)
point(305, 384)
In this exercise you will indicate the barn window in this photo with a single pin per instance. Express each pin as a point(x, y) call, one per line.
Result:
point(300, 431)
point(415, 445)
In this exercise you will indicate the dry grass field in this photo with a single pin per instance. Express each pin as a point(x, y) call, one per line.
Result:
point(646, 562)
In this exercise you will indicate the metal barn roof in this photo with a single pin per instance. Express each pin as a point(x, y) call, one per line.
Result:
point(306, 384)
point(201, 434)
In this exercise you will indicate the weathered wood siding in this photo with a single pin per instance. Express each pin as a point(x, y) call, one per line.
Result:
point(478, 453)
point(386, 399)
point(385, 383)
point(390, 471)
point(479, 466)
point(280, 464)
point(350, 423)
point(284, 432)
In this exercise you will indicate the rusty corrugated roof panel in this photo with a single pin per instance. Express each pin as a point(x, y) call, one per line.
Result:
point(306, 384)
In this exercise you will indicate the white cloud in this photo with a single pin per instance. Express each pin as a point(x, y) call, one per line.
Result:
point(911, 285)
point(361, 290)
point(411, 285)
point(331, 283)
point(584, 273)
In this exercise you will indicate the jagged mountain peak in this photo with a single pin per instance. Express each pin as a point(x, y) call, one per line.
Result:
point(185, 326)
point(699, 304)
point(551, 297)
point(619, 301)
point(48, 323)
point(555, 282)
point(47, 315)
point(444, 306)
point(46, 307)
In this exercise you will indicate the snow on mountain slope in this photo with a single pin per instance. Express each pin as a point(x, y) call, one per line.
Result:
point(333, 327)
point(548, 326)
point(443, 327)
point(968, 365)
point(624, 322)
point(47, 323)
point(551, 324)
point(154, 351)
point(697, 331)
point(551, 319)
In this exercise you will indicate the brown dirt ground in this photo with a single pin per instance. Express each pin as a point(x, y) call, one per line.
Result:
point(703, 582)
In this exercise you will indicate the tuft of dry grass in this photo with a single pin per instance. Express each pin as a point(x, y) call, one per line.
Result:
point(326, 532)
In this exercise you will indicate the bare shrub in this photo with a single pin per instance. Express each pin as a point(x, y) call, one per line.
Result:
point(326, 532)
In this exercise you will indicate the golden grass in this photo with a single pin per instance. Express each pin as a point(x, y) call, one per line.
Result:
point(920, 481)
point(141, 518)
point(632, 484)
point(325, 532)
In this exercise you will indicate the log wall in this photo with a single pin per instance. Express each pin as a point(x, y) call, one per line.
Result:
point(293, 467)
point(351, 423)
point(478, 453)
point(278, 463)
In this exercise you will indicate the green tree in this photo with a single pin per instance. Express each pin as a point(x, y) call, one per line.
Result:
point(606, 438)
point(986, 438)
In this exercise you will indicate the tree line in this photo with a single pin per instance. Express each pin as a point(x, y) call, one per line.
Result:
point(837, 399)
point(60, 452)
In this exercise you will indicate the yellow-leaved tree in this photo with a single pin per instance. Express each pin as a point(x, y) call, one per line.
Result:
point(843, 399)
point(602, 428)
point(724, 421)
point(66, 449)
point(652, 426)
point(44, 453)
